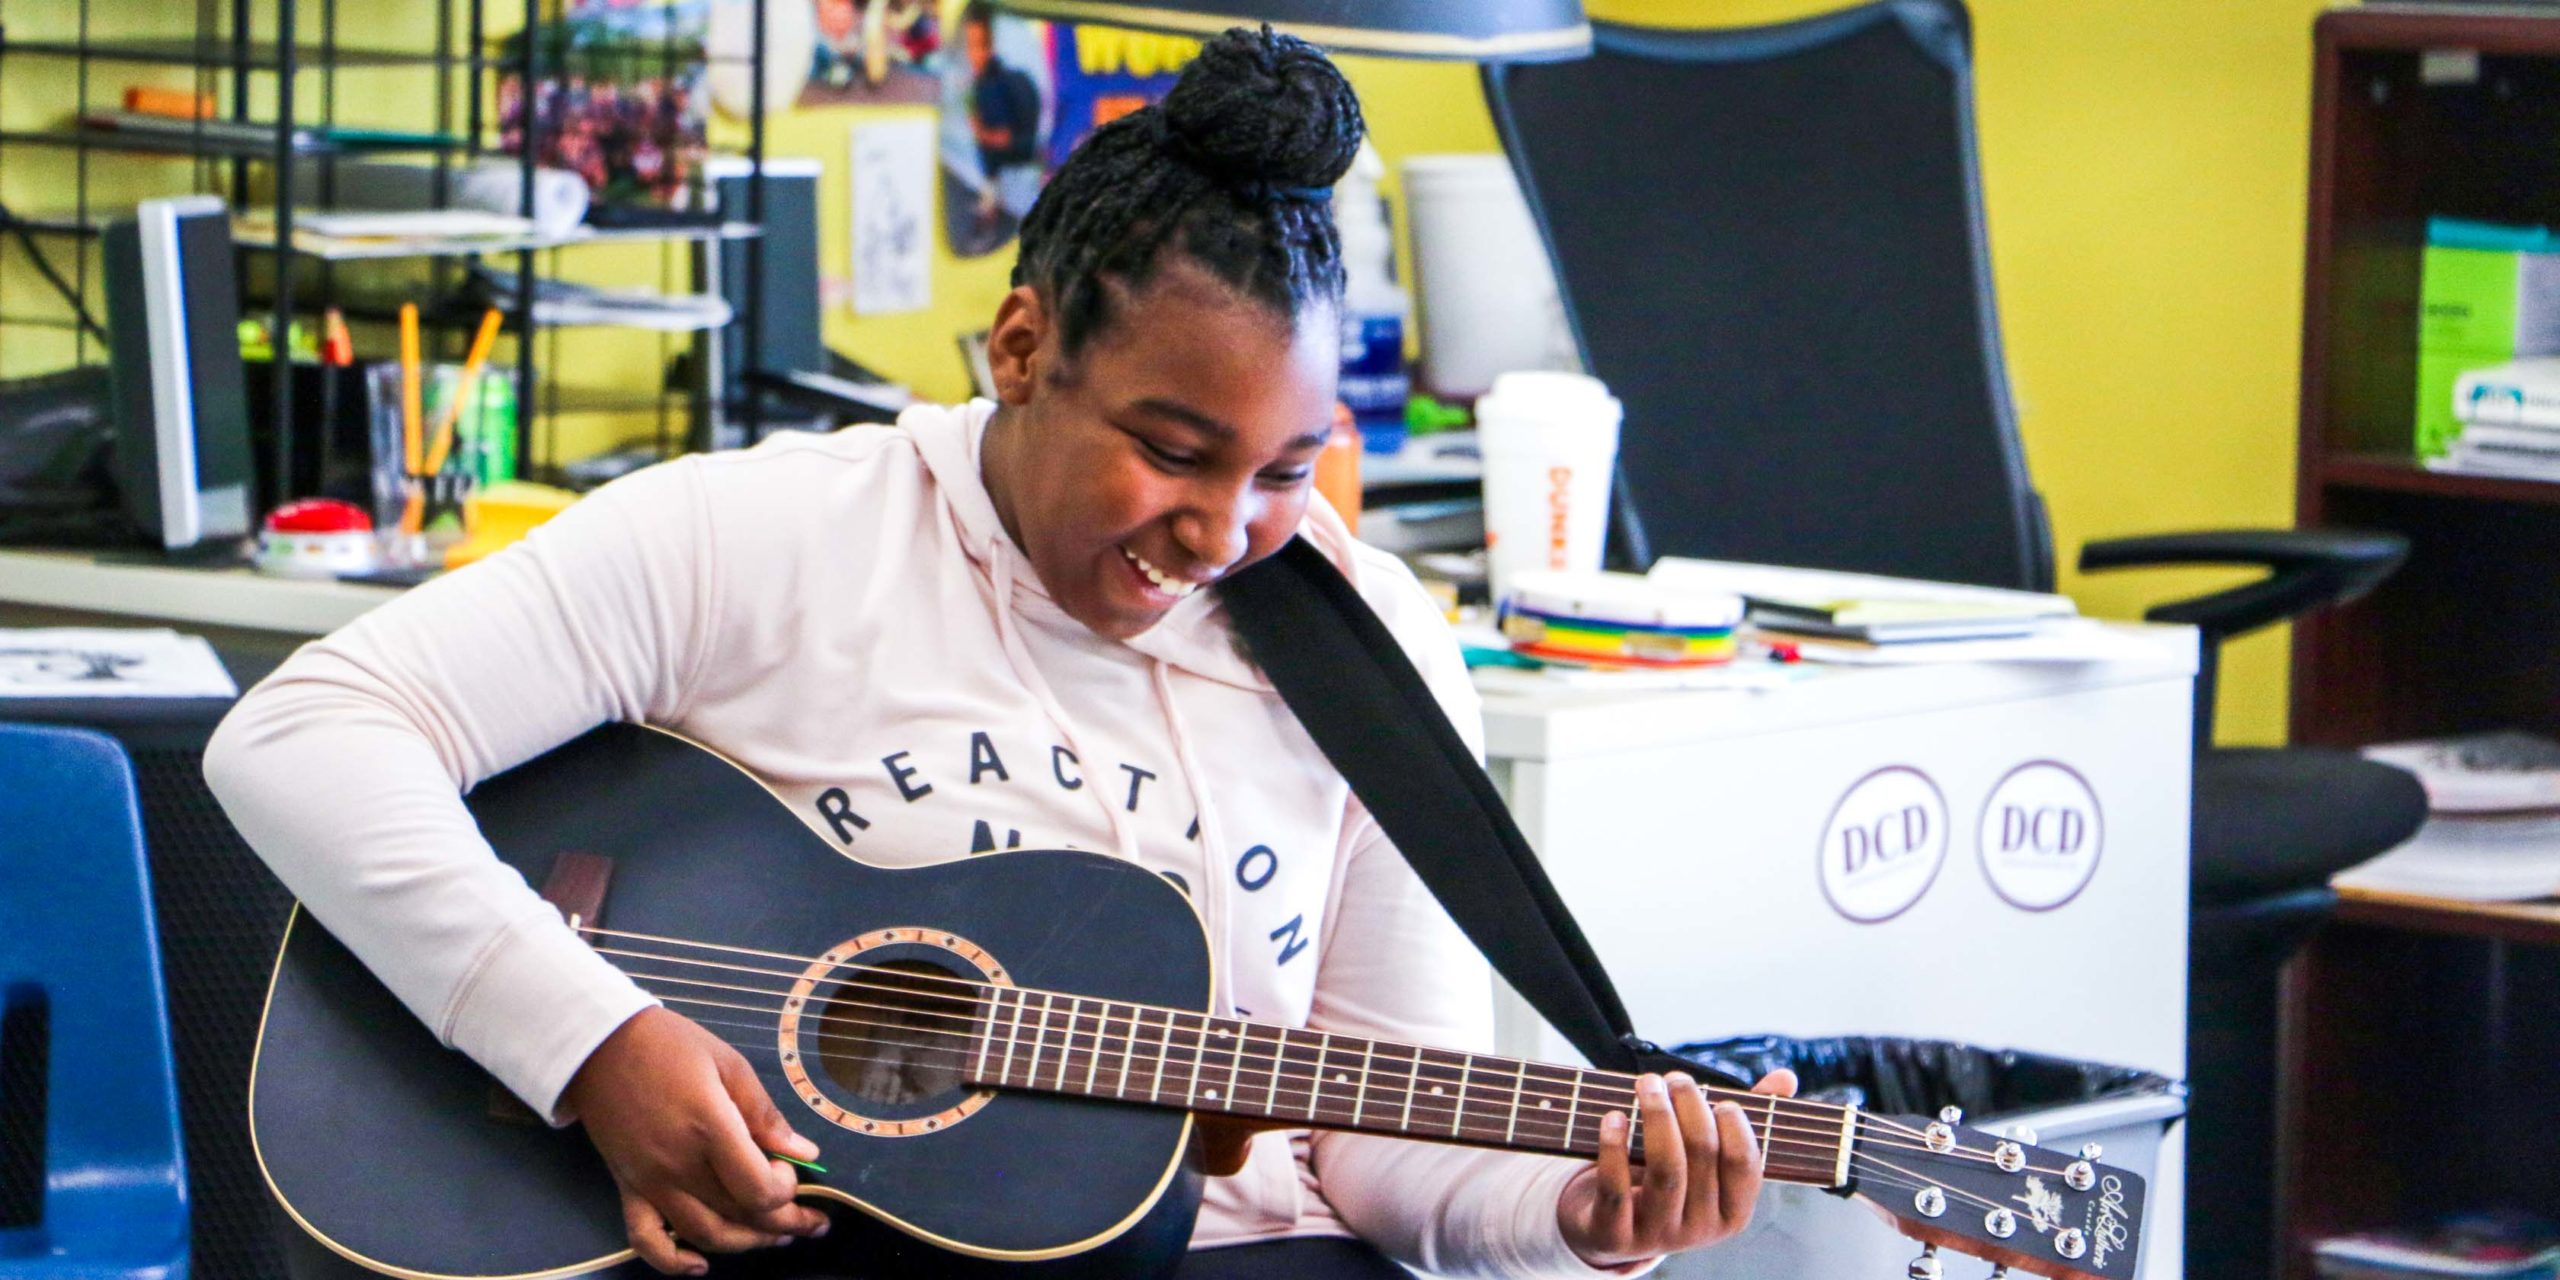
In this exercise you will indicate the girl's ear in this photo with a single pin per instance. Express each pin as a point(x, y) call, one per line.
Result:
point(1018, 344)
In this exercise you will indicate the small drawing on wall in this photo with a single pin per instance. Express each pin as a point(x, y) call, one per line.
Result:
point(893, 216)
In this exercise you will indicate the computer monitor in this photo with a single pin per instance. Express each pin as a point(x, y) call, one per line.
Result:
point(179, 393)
point(788, 308)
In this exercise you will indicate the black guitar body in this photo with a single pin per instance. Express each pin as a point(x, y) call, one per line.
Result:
point(349, 1091)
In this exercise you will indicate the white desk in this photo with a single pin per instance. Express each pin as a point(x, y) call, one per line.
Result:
point(1830, 858)
point(86, 582)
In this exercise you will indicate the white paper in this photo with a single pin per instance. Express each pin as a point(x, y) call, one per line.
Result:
point(893, 216)
point(2055, 640)
point(74, 662)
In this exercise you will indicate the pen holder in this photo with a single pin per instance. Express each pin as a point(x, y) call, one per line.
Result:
point(482, 452)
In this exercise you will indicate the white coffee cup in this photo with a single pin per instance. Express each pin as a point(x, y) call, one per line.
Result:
point(1549, 443)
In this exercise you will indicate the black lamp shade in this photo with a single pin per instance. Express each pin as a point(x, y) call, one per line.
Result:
point(1475, 30)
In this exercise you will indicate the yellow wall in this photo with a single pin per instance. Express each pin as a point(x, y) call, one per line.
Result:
point(2144, 169)
point(2144, 164)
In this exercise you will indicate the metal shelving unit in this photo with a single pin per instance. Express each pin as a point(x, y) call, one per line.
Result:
point(267, 56)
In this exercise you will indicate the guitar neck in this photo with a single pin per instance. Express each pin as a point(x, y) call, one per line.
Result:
point(1053, 1043)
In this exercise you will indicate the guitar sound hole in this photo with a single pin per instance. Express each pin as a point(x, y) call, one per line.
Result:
point(897, 1035)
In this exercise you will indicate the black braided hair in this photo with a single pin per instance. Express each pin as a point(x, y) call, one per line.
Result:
point(1233, 170)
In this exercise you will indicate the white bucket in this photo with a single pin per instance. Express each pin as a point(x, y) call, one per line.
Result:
point(1487, 291)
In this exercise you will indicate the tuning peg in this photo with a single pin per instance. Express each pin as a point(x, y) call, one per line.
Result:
point(2091, 1151)
point(1952, 1115)
point(1925, 1267)
point(2023, 1133)
point(2000, 1272)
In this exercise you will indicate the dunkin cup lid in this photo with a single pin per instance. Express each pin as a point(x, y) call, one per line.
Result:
point(1549, 394)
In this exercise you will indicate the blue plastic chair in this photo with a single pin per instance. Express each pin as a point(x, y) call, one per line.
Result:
point(77, 935)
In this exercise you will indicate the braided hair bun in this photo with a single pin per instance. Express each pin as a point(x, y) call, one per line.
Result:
point(1264, 108)
point(1230, 172)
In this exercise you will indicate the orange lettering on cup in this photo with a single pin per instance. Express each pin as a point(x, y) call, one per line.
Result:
point(1559, 513)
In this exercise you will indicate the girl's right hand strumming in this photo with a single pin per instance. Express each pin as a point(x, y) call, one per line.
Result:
point(684, 1125)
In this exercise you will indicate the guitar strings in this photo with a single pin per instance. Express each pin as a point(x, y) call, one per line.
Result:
point(1815, 1168)
point(1784, 1159)
point(1278, 1046)
point(981, 987)
point(1276, 1069)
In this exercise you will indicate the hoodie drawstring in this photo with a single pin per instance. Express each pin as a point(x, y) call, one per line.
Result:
point(1028, 672)
point(1212, 897)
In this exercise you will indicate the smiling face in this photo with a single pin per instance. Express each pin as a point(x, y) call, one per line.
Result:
point(1176, 447)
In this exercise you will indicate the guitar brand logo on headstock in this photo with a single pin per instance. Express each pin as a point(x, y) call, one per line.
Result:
point(1884, 844)
point(2113, 1228)
point(2040, 835)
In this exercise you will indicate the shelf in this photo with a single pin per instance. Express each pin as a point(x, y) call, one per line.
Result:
point(2536, 923)
point(2399, 473)
point(186, 51)
point(336, 249)
point(189, 144)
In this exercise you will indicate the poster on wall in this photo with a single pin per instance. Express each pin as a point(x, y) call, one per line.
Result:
point(625, 111)
point(892, 174)
point(1019, 96)
point(876, 51)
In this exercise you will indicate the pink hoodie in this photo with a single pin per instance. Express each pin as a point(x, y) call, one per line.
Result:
point(844, 616)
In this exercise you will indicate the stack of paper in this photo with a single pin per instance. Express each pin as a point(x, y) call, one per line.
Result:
point(2493, 830)
point(1866, 609)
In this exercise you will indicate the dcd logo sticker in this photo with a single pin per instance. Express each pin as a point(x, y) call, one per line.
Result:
point(2041, 835)
point(1884, 844)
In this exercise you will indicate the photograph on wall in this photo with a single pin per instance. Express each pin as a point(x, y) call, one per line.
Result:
point(995, 117)
point(625, 111)
point(1019, 96)
point(870, 52)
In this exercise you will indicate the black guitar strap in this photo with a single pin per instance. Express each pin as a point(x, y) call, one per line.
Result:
point(1360, 698)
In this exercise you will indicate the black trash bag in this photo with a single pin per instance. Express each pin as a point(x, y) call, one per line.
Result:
point(1900, 1076)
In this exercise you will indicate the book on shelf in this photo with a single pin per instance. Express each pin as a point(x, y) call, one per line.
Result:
point(2493, 828)
point(2523, 393)
point(1867, 608)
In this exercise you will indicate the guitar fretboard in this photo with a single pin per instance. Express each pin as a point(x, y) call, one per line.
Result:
point(1313, 1079)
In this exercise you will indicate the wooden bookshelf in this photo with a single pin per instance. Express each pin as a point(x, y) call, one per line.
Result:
point(2413, 1027)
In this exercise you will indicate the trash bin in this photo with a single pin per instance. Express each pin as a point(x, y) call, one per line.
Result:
point(1807, 1233)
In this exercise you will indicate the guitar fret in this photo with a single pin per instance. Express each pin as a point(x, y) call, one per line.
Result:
point(1361, 1098)
point(1573, 1112)
point(995, 1006)
point(1199, 1052)
point(1155, 1087)
point(1121, 1088)
point(1324, 1045)
point(1040, 1040)
point(1235, 1064)
point(1519, 1079)
point(1066, 1043)
point(1412, 1086)
point(1013, 1034)
point(1458, 1116)
point(1094, 1066)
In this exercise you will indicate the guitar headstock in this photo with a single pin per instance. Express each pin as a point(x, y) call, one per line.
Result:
point(2022, 1207)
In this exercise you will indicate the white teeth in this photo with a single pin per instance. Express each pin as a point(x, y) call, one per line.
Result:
point(1170, 585)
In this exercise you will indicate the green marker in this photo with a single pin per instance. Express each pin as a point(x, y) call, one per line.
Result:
point(813, 1168)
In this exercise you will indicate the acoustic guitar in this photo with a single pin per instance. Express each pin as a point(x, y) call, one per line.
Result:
point(998, 1057)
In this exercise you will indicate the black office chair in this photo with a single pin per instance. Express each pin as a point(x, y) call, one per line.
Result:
point(1771, 245)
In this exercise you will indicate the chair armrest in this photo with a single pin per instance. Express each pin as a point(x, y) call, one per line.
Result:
point(2311, 568)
